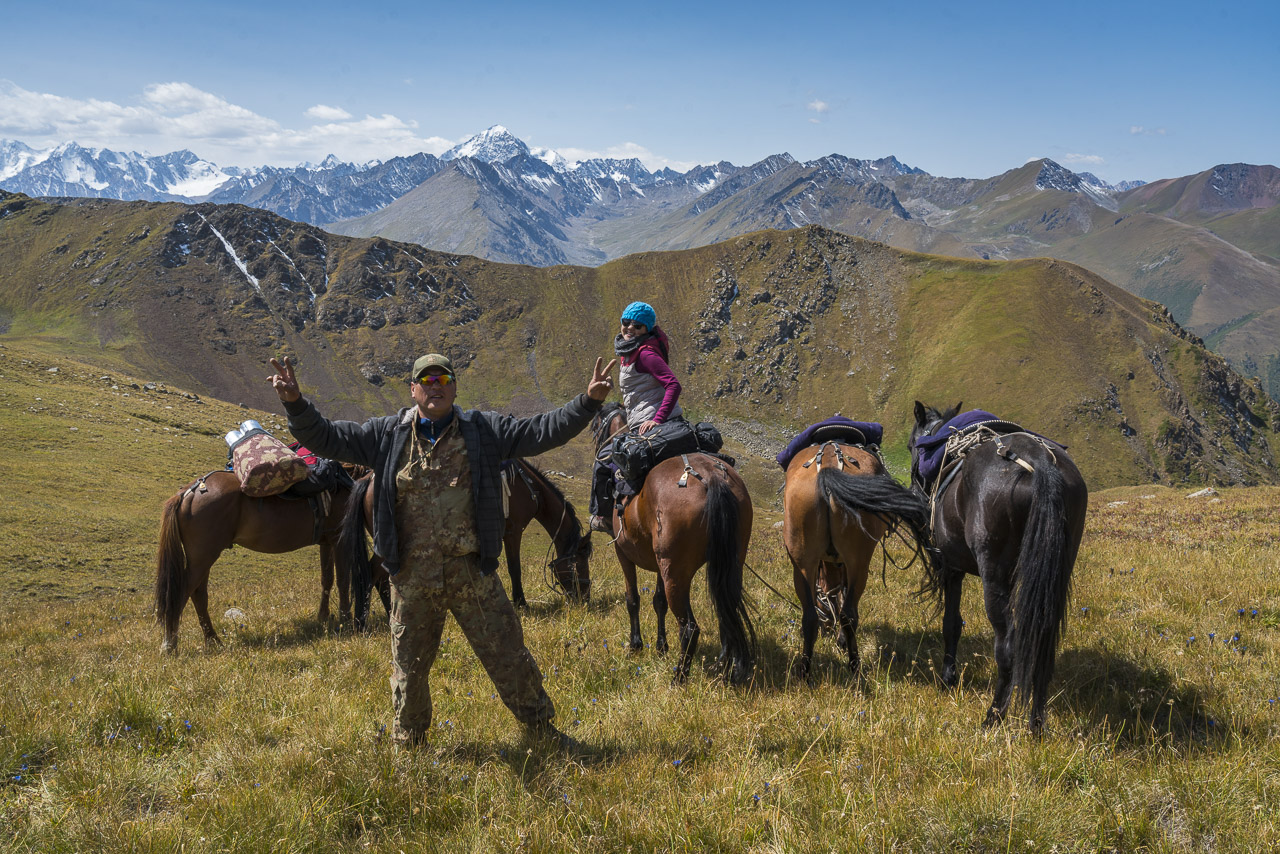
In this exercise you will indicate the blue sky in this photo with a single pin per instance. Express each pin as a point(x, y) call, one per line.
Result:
point(1125, 90)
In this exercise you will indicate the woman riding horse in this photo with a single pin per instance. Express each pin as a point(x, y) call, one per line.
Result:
point(650, 392)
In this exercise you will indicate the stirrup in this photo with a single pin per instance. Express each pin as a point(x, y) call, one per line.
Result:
point(600, 525)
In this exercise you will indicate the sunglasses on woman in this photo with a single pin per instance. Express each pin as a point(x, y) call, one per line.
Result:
point(436, 379)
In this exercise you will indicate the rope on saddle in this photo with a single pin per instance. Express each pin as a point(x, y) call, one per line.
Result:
point(962, 442)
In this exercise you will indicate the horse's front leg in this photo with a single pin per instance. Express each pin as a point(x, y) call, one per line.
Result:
point(660, 611)
point(512, 544)
point(951, 625)
point(632, 599)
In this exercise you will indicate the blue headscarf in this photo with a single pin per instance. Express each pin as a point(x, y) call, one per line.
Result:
point(641, 312)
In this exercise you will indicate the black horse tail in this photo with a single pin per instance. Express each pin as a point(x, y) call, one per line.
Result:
point(353, 549)
point(1044, 585)
point(724, 581)
point(171, 565)
point(898, 506)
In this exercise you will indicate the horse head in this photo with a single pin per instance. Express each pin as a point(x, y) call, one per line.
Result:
point(928, 420)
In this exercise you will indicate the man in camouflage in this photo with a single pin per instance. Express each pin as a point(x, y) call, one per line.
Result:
point(438, 526)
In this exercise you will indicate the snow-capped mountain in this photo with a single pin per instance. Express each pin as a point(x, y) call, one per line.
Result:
point(495, 145)
point(71, 170)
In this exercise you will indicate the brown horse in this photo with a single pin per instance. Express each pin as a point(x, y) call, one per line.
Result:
point(839, 503)
point(683, 517)
point(533, 497)
point(210, 516)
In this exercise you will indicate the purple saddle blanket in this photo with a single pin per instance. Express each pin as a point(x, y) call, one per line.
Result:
point(933, 448)
point(835, 428)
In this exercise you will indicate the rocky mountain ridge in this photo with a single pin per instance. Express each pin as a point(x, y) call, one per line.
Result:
point(770, 331)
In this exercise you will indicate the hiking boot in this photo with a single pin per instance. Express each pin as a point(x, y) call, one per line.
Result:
point(601, 525)
point(547, 733)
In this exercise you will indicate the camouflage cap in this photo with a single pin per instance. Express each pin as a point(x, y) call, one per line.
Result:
point(431, 360)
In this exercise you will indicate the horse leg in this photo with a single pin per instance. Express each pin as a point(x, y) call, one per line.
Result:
point(951, 625)
point(326, 582)
point(660, 610)
point(511, 543)
point(342, 572)
point(848, 618)
point(200, 599)
point(633, 601)
point(996, 597)
point(801, 668)
point(677, 596)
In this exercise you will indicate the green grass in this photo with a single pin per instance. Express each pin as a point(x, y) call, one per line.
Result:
point(276, 740)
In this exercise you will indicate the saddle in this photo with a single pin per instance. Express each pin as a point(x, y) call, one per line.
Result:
point(837, 428)
point(635, 455)
point(942, 455)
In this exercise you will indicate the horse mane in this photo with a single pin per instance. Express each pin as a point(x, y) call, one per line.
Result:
point(569, 511)
point(600, 424)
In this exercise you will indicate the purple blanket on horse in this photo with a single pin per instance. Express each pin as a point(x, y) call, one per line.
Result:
point(836, 425)
point(933, 448)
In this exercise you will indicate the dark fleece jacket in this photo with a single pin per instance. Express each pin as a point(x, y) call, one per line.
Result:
point(490, 438)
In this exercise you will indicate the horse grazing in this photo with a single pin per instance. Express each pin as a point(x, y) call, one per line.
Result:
point(533, 496)
point(691, 510)
point(211, 515)
point(1009, 507)
point(839, 503)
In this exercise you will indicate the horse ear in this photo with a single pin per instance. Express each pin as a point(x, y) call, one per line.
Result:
point(956, 411)
point(921, 415)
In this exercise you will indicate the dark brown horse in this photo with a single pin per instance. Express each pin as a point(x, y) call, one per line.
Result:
point(839, 503)
point(681, 519)
point(533, 496)
point(1019, 531)
point(210, 516)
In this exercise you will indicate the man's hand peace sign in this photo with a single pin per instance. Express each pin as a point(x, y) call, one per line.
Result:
point(284, 381)
point(601, 384)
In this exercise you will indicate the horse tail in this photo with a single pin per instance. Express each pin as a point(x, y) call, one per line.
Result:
point(724, 579)
point(171, 565)
point(353, 549)
point(897, 506)
point(1043, 585)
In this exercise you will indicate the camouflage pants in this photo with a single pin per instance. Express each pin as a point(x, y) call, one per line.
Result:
point(419, 606)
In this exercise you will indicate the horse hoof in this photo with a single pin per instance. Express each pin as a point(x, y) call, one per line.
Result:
point(661, 647)
point(800, 671)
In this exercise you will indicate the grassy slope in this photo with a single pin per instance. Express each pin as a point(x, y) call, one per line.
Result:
point(824, 323)
point(1162, 728)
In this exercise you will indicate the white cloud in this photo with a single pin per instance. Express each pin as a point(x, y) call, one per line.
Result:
point(170, 116)
point(818, 106)
point(1084, 159)
point(1139, 130)
point(325, 113)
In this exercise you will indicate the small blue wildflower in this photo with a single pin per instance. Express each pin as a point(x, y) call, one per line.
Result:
point(1211, 636)
point(757, 798)
point(676, 762)
point(1240, 612)
point(188, 724)
point(1253, 613)
point(766, 785)
point(1191, 640)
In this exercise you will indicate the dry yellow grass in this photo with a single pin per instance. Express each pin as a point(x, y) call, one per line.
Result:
point(276, 741)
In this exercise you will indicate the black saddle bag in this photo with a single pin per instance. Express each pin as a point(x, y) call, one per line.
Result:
point(636, 455)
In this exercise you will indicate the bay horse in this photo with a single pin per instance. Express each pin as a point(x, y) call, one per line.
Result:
point(686, 515)
point(1010, 511)
point(210, 516)
point(533, 497)
point(839, 503)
